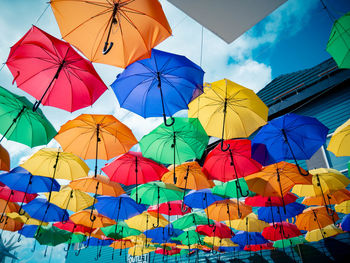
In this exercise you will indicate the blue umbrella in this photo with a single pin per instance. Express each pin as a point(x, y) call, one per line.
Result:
point(244, 238)
point(158, 86)
point(274, 214)
point(28, 231)
point(118, 208)
point(20, 179)
point(162, 234)
point(289, 137)
point(345, 223)
point(201, 198)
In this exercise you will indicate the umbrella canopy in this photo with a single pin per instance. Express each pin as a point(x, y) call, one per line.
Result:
point(227, 210)
point(219, 242)
point(232, 189)
point(338, 43)
point(264, 201)
point(132, 168)
point(291, 137)
point(219, 230)
point(328, 180)
point(190, 237)
point(17, 115)
point(331, 199)
point(26, 219)
point(122, 244)
point(234, 163)
point(146, 220)
point(8, 207)
point(93, 241)
point(28, 230)
point(340, 141)
point(283, 243)
point(158, 86)
point(183, 141)
point(44, 211)
point(282, 230)
point(15, 196)
point(345, 223)
point(191, 220)
point(315, 218)
point(171, 208)
point(120, 230)
point(267, 246)
point(4, 159)
point(162, 234)
point(69, 199)
point(83, 218)
point(133, 27)
point(248, 238)
point(201, 198)
point(72, 227)
point(52, 236)
point(343, 207)
point(138, 250)
point(118, 208)
point(61, 77)
point(277, 214)
point(10, 224)
point(189, 175)
point(250, 223)
point(319, 234)
point(228, 110)
point(168, 252)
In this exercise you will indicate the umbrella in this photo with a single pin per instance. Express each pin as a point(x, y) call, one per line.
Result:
point(167, 252)
point(266, 246)
point(283, 230)
point(17, 116)
point(162, 234)
point(171, 208)
point(4, 159)
point(248, 238)
point(189, 238)
point(232, 189)
point(155, 193)
point(345, 223)
point(340, 141)
point(277, 179)
point(87, 133)
point(146, 220)
point(183, 141)
point(10, 224)
point(343, 207)
point(138, 250)
point(57, 164)
point(250, 223)
point(28, 230)
point(20, 179)
point(120, 230)
point(219, 242)
point(52, 236)
point(322, 233)
point(158, 86)
point(291, 137)
point(135, 27)
point(315, 218)
point(8, 207)
point(118, 208)
point(44, 211)
point(219, 230)
point(26, 219)
point(131, 168)
point(61, 77)
point(72, 227)
point(337, 197)
point(293, 241)
point(338, 43)
point(122, 244)
point(192, 220)
point(268, 214)
point(236, 109)
point(69, 199)
point(259, 200)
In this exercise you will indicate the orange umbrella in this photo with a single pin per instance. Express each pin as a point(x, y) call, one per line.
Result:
point(99, 185)
point(277, 179)
point(8, 207)
point(315, 218)
point(122, 244)
point(332, 199)
point(10, 224)
point(132, 28)
point(4, 159)
point(189, 176)
point(228, 210)
point(95, 137)
point(82, 218)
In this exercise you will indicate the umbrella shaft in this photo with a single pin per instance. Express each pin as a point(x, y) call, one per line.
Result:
point(13, 122)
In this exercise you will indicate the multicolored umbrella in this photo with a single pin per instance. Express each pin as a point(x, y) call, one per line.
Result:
point(61, 77)
point(4, 159)
point(17, 115)
point(291, 137)
point(340, 141)
point(228, 110)
point(26, 219)
point(134, 27)
point(158, 86)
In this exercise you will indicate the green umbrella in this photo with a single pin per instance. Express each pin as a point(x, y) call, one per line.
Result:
point(183, 141)
point(230, 190)
point(191, 220)
point(190, 237)
point(19, 123)
point(52, 236)
point(289, 242)
point(339, 41)
point(76, 238)
point(120, 231)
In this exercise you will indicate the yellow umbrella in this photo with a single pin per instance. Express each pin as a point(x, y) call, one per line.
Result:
point(343, 207)
point(219, 242)
point(140, 239)
point(146, 220)
point(140, 250)
point(73, 200)
point(26, 219)
point(340, 141)
point(228, 110)
point(250, 223)
point(318, 234)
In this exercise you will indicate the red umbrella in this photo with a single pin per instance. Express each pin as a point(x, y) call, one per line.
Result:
point(234, 163)
point(281, 230)
point(266, 246)
point(265, 201)
point(171, 208)
point(218, 229)
point(131, 168)
point(7, 193)
point(50, 70)
point(71, 227)
point(170, 252)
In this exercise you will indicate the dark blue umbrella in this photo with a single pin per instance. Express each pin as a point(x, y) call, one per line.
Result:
point(345, 223)
point(244, 238)
point(158, 86)
point(28, 230)
point(162, 234)
point(98, 242)
point(201, 198)
point(289, 137)
point(274, 214)
point(118, 208)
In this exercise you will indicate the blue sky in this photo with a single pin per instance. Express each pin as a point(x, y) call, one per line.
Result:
point(291, 38)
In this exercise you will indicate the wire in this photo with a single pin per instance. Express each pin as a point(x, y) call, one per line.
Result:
point(36, 22)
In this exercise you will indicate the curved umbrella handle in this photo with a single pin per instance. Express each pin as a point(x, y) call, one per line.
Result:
point(107, 48)
point(36, 105)
point(78, 252)
point(222, 146)
point(168, 124)
point(92, 216)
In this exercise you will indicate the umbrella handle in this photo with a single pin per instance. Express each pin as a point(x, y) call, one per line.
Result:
point(36, 105)
point(183, 208)
point(168, 124)
point(78, 252)
point(107, 48)
point(33, 249)
point(222, 146)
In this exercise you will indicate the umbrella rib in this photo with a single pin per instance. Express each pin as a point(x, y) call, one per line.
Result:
point(181, 96)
